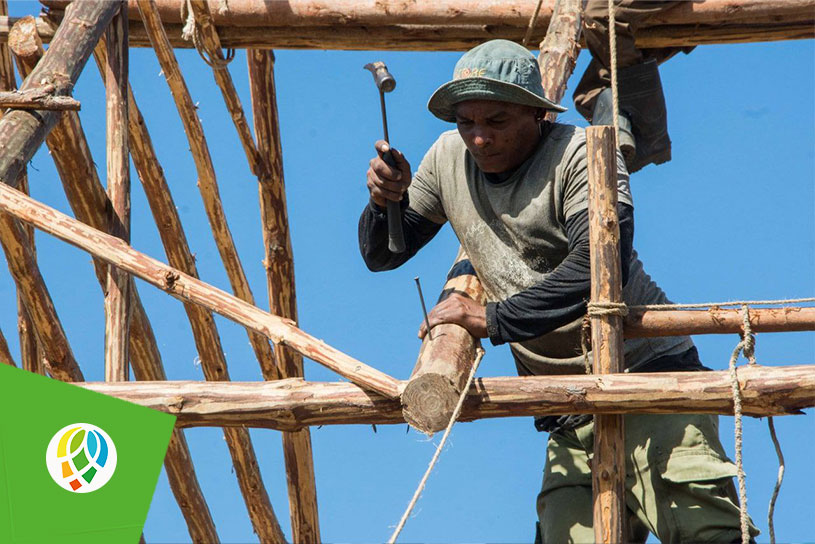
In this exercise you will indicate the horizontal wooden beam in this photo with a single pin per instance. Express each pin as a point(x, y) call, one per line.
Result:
point(516, 13)
point(456, 25)
point(37, 99)
point(189, 289)
point(651, 323)
point(292, 404)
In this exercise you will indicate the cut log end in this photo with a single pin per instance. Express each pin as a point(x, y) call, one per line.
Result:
point(428, 402)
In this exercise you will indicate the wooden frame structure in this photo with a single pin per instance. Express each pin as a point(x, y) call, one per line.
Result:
point(83, 28)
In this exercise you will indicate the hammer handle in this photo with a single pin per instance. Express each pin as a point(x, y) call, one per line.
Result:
point(396, 238)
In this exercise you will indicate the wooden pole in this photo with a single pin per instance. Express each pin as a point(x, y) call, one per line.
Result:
point(5, 354)
point(293, 403)
point(651, 323)
point(279, 264)
point(608, 464)
point(559, 50)
point(117, 294)
point(37, 99)
point(72, 156)
point(30, 357)
point(22, 132)
point(515, 13)
point(205, 333)
point(444, 363)
point(207, 182)
point(186, 288)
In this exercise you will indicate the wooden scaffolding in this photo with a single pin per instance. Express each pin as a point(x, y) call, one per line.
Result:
point(42, 110)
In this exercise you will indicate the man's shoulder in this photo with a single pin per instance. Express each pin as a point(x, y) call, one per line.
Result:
point(562, 132)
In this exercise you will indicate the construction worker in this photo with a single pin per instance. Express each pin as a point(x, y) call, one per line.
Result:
point(514, 189)
point(643, 118)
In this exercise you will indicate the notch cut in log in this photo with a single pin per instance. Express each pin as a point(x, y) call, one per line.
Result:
point(38, 99)
point(292, 404)
point(608, 464)
point(445, 361)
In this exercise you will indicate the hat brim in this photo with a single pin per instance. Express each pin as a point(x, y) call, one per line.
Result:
point(442, 102)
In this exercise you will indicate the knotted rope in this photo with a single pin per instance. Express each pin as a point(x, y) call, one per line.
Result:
point(453, 418)
point(192, 32)
point(612, 44)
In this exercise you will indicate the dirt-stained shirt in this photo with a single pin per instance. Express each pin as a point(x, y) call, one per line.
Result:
point(514, 233)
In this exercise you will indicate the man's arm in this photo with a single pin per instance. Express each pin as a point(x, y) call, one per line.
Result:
point(373, 235)
point(561, 297)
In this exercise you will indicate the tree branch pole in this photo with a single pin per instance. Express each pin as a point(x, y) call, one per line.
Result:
point(5, 354)
point(445, 361)
point(30, 356)
point(293, 403)
point(72, 156)
point(608, 464)
point(652, 323)
point(279, 264)
point(205, 333)
point(22, 132)
point(37, 100)
point(186, 288)
point(207, 182)
point(117, 294)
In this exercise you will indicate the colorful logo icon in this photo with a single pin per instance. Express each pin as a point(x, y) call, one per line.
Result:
point(81, 458)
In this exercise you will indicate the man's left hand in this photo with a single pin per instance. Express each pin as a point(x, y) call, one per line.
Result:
point(460, 310)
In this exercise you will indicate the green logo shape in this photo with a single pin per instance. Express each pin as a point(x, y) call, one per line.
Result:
point(75, 465)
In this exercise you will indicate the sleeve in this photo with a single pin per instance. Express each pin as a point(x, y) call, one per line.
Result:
point(561, 297)
point(425, 190)
point(574, 178)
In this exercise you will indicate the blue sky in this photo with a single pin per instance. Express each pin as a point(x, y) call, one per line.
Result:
point(732, 216)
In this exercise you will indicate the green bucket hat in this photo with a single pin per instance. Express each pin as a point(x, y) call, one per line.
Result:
point(495, 70)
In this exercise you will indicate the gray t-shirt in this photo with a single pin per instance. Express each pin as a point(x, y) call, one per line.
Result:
point(515, 234)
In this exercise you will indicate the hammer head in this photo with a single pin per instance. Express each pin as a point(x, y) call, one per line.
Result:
point(383, 79)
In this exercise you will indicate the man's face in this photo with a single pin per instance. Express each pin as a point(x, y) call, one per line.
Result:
point(499, 135)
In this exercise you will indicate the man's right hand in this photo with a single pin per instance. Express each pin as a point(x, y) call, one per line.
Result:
point(387, 182)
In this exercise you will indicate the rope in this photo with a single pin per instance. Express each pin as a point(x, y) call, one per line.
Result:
point(721, 304)
point(192, 32)
point(612, 39)
point(423, 481)
point(533, 20)
point(778, 481)
point(596, 309)
point(747, 346)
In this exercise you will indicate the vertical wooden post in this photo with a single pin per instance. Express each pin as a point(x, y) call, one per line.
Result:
point(608, 466)
point(117, 297)
point(279, 264)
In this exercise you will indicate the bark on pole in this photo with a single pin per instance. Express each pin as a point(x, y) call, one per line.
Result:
point(444, 363)
point(650, 323)
point(72, 156)
point(39, 99)
point(30, 357)
point(279, 264)
point(117, 294)
point(462, 24)
point(22, 132)
point(5, 354)
point(293, 403)
point(608, 464)
point(186, 288)
point(559, 50)
point(207, 182)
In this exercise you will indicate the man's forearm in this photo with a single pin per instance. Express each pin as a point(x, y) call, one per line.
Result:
point(373, 236)
point(561, 297)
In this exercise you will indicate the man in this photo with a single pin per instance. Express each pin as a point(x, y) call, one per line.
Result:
point(643, 118)
point(514, 190)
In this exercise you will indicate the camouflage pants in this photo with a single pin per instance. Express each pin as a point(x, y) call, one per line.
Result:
point(679, 482)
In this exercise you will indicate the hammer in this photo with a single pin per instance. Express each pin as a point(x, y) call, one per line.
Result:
point(386, 83)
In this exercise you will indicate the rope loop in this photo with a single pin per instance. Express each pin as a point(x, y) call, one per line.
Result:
point(192, 32)
point(597, 309)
